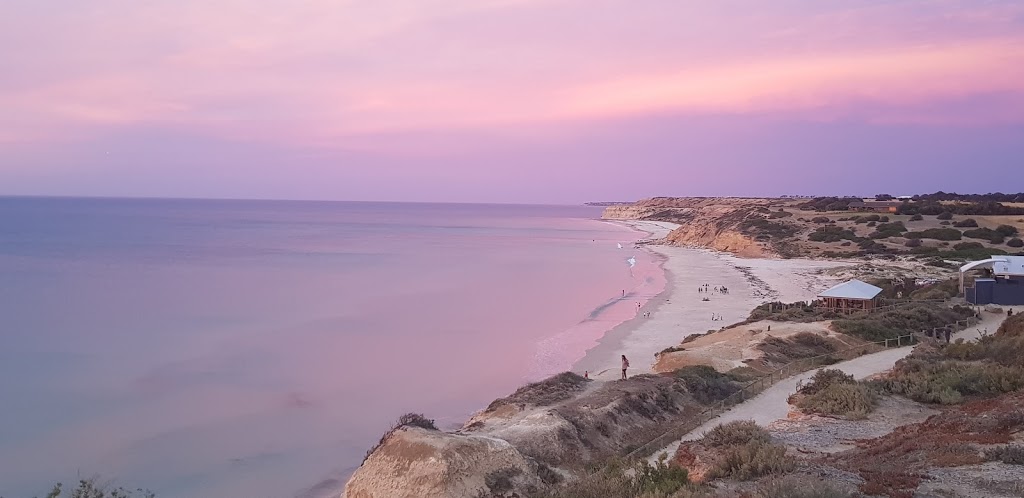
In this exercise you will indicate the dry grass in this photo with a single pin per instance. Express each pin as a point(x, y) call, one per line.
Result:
point(547, 392)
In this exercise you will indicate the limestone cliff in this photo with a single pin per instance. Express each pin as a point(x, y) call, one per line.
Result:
point(414, 462)
point(540, 435)
point(741, 226)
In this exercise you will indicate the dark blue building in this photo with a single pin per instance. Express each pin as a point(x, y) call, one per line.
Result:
point(1001, 281)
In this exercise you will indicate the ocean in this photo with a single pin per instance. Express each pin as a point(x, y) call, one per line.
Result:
point(206, 348)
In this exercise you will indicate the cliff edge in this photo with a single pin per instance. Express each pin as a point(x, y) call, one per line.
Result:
point(737, 225)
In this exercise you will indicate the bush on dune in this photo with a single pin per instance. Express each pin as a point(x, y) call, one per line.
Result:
point(706, 384)
point(543, 393)
point(936, 234)
point(87, 488)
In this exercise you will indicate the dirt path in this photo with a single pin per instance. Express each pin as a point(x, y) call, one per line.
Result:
point(771, 405)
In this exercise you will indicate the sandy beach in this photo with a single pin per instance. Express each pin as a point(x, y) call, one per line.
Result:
point(679, 310)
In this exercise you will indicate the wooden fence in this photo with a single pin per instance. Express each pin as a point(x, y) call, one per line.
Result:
point(802, 365)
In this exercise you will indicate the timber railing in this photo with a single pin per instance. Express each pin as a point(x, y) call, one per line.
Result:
point(761, 384)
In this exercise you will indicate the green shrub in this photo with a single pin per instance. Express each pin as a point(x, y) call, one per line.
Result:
point(935, 233)
point(968, 245)
point(905, 320)
point(966, 223)
point(945, 215)
point(1007, 230)
point(916, 217)
point(912, 243)
point(706, 384)
point(985, 234)
point(779, 214)
point(948, 382)
point(660, 480)
point(734, 433)
point(820, 219)
point(886, 230)
point(824, 378)
point(842, 399)
point(831, 234)
point(753, 460)
point(763, 227)
point(1015, 242)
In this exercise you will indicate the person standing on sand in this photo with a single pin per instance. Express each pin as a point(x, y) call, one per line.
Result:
point(625, 365)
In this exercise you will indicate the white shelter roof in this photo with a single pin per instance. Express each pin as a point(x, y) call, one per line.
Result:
point(854, 289)
point(985, 263)
point(1000, 265)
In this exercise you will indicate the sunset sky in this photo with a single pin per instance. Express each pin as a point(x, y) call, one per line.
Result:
point(551, 101)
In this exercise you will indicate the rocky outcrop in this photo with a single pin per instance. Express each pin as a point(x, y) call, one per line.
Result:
point(723, 224)
point(414, 462)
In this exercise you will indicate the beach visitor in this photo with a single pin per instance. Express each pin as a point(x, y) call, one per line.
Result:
point(586, 374)
point(625, 365)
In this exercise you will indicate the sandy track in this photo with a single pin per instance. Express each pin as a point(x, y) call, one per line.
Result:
point(772, 404)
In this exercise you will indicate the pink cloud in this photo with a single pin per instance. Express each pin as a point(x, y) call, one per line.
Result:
point(325, 71)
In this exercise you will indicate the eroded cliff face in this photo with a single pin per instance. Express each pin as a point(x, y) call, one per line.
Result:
point(723, 224)
point(415, 462)
point(536, 437)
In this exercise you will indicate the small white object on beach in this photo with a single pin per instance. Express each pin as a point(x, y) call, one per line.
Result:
point(620, 246)
point(631, 261)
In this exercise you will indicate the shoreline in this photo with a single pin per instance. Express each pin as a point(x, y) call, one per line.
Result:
point(679, 309)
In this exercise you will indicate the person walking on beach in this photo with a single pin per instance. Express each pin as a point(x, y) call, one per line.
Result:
point(625, 365)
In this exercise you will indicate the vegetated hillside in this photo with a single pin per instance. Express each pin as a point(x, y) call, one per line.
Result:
point(928, 230)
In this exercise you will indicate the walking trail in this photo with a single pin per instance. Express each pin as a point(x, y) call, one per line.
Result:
point(771, 404)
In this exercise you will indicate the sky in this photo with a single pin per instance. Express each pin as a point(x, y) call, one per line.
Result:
point(532, 101)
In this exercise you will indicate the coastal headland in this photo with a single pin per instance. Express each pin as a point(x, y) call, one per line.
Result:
point(741, 275)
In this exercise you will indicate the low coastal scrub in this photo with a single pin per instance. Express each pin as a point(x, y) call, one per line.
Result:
point(828, 204)
point(949, 374)
point(831, 234)
point(966, 223)
point(985, 234)
point(706, 384)
point(893, 464)
point(790, 312)
point(1011, 454)
point(644, 480)
point(779, 351)
point(764, 228)
point(1015, 242)
point(797, 487)
point(886, 230)
point(746, 452)
point(831, 392)
point(936, 234)
point(547, 392)
point(908, 319)
point(938, 291)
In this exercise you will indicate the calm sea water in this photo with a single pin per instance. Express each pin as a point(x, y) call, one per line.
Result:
point(257, 349)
